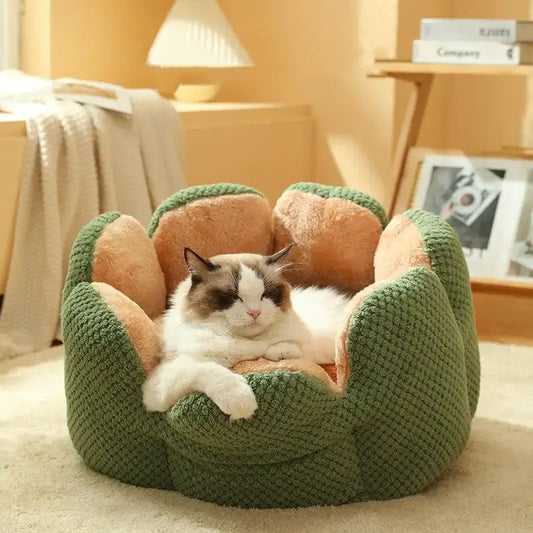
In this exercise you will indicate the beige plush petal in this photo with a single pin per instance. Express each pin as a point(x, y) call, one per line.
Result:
point(211, 226)
point(142, 332)
point(124, 258)
point(335, 240)
point(294, 365)
point(400, 248)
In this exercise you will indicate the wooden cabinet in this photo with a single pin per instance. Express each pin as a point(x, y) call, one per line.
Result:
point(266, 146)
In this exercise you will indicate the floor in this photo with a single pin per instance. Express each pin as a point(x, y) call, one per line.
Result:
point(45, 487)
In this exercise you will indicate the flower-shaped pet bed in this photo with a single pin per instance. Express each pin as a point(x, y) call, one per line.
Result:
point(385, 421)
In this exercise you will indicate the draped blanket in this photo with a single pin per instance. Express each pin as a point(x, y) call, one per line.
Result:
point(81, 160)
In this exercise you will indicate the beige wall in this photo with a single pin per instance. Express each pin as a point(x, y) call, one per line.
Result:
point(35, 37)
point(488, 113)
point(435, 128)
point(312, 52)
point(107, 40)
point(317, 52)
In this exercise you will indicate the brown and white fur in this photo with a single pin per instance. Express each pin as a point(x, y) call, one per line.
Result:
point(232, 308)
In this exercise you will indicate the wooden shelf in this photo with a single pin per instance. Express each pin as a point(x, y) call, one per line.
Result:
point(525, 288)
point(396, 67)
point(503, 310)
point(502, 307)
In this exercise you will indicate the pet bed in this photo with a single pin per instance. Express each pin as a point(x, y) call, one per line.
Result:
point(385, 421)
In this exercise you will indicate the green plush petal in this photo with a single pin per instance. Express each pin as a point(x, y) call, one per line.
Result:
point(448, 262)
point(297, 415)
point(108, 424)
point(330, 476)
point(408, 385)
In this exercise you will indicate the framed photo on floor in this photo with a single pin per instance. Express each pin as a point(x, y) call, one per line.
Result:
point(489, 203)
point(521, 254)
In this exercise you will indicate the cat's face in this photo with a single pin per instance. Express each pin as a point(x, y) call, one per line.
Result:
point(242, 294)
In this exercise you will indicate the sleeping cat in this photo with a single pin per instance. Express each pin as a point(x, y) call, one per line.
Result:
point(231, 308)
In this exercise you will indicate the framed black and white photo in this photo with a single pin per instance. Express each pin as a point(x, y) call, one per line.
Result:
point(478, 197)
point(521, 256)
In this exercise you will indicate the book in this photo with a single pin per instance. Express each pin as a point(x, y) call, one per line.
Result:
point(105, 95)
point(472, 53)
point(19, 91)
point(503, 31)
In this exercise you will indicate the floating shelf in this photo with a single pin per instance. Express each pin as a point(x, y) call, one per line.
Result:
point(392, 67)
point(502, 307)
point(524, 288)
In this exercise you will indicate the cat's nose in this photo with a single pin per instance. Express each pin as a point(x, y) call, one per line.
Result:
point(254, 313)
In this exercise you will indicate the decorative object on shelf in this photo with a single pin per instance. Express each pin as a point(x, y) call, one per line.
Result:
point(411, 175)
point(196, 34)
point(521, 259)
point(474, 42)
point(506, 31)
point(196, 93)
point(472, 53)
point(478, 197)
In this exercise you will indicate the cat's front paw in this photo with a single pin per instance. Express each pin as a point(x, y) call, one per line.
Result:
point(236, 399)
point(283, 350)
point(162, 388)
point(156, 397)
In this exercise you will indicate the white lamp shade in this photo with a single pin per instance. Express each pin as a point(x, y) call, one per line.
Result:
point(197, 34)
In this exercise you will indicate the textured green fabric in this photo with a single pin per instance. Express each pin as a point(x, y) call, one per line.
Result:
point(344, 193)
point(103, 376)
point(408, 385)
point(403, 419)
point(190, 194)
point(448, 262)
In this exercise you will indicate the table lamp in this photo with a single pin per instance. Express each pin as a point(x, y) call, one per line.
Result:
point(196, 34)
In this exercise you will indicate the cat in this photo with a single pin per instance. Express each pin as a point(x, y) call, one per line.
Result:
point(231, 308)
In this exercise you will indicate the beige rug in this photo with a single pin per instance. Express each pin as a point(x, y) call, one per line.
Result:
point(45, 487)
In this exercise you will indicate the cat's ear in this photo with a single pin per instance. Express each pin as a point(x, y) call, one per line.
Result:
point(274, 258)
point(196, 264)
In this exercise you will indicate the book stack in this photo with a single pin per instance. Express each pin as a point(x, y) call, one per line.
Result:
point(474, 42)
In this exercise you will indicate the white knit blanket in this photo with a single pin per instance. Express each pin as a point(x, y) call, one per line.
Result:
point(81, 161)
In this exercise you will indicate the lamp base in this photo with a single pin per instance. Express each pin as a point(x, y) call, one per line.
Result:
point(195, 93)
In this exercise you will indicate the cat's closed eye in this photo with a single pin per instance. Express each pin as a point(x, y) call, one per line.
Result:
point(275, 293)
point(223, 299)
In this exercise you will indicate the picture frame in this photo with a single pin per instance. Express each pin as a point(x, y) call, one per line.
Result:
point(478, 196)
point(412, 168)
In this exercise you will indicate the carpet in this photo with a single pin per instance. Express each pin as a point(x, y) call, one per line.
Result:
point(44, 486)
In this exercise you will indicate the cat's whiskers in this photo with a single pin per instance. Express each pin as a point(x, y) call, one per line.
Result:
point(221, 327)
point(235, 280)
point(293, 267)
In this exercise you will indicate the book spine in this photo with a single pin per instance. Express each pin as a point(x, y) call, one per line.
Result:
point(503, 31)
point(466, 53)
